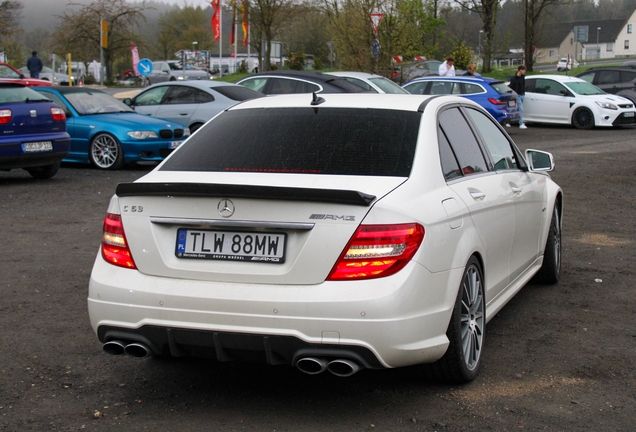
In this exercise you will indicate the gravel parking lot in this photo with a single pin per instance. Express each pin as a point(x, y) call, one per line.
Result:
point(557, 357)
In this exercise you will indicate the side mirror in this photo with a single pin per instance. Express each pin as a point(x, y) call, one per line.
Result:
point(539, 160)
point(128, 101)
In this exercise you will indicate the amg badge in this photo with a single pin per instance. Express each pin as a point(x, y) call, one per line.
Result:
point(333, 217)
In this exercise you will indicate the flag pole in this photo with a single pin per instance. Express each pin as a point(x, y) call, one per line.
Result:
point(220, 38)
point(235, 35)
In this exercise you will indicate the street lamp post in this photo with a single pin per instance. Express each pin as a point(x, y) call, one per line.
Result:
point(598, 29)
point(480, 32)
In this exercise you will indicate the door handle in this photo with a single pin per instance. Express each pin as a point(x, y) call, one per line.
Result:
point(183, 114)
point(515, 189)
point(477, 195)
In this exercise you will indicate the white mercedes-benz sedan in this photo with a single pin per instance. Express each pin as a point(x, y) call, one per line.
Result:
point(329, 233)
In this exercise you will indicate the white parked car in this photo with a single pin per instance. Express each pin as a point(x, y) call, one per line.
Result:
point(562, 64)
point(328, 233)
point(570, 100)
point(371, 82)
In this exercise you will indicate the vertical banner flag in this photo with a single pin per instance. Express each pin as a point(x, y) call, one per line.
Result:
point(245, 23)
point(135, 58)
point(233, 29)
point(104, 34)
point(376, 19)
point(216, 19)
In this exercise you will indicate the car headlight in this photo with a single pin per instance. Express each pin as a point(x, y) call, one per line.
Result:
point(186, 132)
point(142, 134)
point(607, 105)
point(181, 78)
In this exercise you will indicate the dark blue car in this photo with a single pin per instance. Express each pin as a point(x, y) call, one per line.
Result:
point(32, 131)
point(495, 96)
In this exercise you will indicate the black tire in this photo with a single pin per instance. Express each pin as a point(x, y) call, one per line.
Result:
point(466, 331)
point(105, 152)
point(195, 126)
point(582, 118)
point(44, 172)
point(550, 271)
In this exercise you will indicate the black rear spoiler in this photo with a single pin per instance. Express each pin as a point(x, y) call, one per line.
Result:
point(245, 191)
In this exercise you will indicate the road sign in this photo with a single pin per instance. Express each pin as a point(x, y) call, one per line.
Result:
point(375, 48)
point(581, 33)
point(376, 19)
point(104, 33)
point(144, 67)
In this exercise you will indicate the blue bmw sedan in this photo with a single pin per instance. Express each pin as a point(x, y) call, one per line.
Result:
point(109, 134)
point(495, 96)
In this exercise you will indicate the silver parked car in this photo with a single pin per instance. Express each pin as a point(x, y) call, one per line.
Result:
point(48, 74)
point(163, 71)
point(189, 102)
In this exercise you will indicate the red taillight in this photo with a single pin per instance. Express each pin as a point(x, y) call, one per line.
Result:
point(58, 114)
point(114, 246)
point(496, 101)
point(5, 116)
point(378, 250)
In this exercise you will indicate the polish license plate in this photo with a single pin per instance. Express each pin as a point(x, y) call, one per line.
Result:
point(266, 247)
point(34, 147)
point(175, 144)
point(628, 114)
point(512, 103)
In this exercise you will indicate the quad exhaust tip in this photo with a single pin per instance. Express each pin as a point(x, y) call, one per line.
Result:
point(132, 349)
point(338, 367)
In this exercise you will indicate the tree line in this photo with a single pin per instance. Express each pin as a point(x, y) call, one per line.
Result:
point(431, 28)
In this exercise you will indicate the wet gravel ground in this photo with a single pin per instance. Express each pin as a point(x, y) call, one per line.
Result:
point(557, 357)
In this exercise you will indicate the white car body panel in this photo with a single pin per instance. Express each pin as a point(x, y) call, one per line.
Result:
point(402, 319)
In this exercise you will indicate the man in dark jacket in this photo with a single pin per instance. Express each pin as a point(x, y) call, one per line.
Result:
point(34, 65)
point(518, 84)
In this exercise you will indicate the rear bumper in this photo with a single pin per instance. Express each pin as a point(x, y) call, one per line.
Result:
point(395, 321)
point(12, 155)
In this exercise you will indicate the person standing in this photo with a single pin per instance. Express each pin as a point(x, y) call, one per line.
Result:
point(447, 68)
point(34, 65)
point(518, 84)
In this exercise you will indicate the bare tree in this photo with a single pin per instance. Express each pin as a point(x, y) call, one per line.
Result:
point(487, 11)
point(266, 18)
point(10, 13)
point(533, 13)
point(79, 32)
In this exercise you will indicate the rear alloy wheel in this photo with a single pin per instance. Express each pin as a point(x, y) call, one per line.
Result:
point(466, 331)
point(106, 153)
point(550, 271)
point(44, 172)
point(582, 118)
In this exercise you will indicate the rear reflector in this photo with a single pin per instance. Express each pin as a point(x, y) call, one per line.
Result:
point(58, 114)
point(5, 116)
point(378, 250)
point(114, 246)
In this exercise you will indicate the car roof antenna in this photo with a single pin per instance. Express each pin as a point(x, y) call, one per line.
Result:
point(316, 100)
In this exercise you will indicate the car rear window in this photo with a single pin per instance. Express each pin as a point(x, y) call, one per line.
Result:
point(237, 93)
point(501, 87)
point(337, 141)
point(17, 93)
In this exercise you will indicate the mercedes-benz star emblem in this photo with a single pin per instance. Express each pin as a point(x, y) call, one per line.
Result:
point(225, 208)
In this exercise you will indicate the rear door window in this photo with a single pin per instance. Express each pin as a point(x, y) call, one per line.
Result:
point(462, 141)
point(496, 143)
point(339, 141)
point(609, 77)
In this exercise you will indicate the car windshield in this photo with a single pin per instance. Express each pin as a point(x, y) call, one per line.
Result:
point(7, 72)
point(15, 93)
point(337, 141)
point(86, 103)
point(584, 88)
point(388, 86)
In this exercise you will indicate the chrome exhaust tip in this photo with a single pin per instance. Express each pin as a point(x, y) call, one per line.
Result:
point(114, 347)
point(137, 350)
point(343, 367)
point(312, 365)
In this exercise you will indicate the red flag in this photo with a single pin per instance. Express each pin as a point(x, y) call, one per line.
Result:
point(216, 19)
point(135, 57)
point(233, 29)
point(245, 24)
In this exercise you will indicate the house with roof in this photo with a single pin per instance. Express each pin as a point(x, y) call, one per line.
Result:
point(594, 39)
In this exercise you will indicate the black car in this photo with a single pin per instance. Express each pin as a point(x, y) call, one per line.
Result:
point(620, 81)
point(286, 82)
